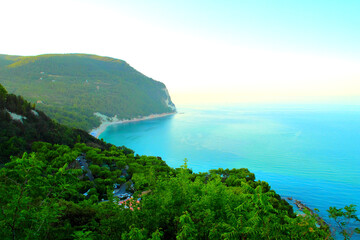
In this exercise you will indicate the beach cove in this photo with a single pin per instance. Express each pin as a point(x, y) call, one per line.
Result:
point(108, 121)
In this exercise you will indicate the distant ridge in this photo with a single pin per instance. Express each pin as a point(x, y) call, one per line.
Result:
point(70, 88)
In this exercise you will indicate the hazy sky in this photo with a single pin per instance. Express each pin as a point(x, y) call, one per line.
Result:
point(204, 51)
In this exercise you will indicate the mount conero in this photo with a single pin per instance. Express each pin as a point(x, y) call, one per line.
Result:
point(70, 88)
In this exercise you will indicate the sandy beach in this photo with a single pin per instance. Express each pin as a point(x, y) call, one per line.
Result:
point(105, 123)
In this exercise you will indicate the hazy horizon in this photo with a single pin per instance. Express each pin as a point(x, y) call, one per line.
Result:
point(205, 52)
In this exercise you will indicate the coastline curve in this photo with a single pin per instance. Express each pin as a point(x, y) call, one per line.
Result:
point(108, 121)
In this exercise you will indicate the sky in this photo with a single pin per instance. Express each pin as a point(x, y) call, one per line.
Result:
point(205, 51)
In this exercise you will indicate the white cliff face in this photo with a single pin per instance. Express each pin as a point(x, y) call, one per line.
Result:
point(167, 100)
point(20, 118)
point(35, 113)
point(104, 118)
point(104, 122)
point(16, 117)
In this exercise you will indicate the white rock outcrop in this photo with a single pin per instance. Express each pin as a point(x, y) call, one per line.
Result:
point(16, 117)
point(167, 100)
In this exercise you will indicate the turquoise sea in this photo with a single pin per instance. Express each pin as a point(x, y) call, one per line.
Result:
point(308, 152)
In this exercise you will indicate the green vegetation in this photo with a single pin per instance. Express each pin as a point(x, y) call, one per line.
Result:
point(16, 136)
point(346, 220)
point(69, 88)
point(42, 197)
point(46, 192)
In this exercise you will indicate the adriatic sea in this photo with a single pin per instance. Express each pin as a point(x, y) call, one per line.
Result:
point(307, 152)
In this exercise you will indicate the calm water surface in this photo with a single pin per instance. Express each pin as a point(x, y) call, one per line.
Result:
point(311, 153)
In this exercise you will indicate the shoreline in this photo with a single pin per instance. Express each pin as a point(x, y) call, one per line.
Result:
point(96, 132)
point(300, 208)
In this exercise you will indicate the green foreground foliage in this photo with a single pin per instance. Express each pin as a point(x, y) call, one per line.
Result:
point(42, 198)
point(45, 193)
point(346, 220)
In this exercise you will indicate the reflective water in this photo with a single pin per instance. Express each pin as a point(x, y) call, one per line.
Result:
point(311, 153)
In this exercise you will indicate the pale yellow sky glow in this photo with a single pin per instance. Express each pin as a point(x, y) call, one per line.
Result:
point(194, 67)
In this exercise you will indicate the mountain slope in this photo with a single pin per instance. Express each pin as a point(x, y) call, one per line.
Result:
point(70, 88)
point(49, 194)
point(21, 125)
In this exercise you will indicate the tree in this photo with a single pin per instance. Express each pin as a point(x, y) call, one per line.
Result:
point(346, 219)
point(3, 94)
point(187, 230)
point(83, 235)
point(26, 207)
point(134, 234)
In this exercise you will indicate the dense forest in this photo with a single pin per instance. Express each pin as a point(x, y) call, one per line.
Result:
point(70, 88)
point(61, 183)
point(16, 136)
